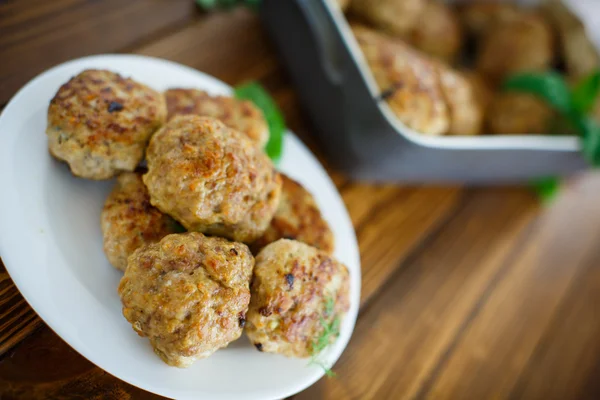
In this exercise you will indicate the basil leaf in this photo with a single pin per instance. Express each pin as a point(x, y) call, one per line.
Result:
point(254, 92)
point(546, 188)
point(549, 86)
point(585, 93)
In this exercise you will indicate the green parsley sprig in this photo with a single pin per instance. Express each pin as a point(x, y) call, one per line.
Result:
point(254, 92)
point(546, 188)
point(573, 107)
point(331, 330)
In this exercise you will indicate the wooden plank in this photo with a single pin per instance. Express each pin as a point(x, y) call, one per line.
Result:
point(45, 367)
point(565, 364)
point(504, 331)
point(390, 222)
point(17, 319)
point(228, 45)
point(404, 331)
point(37, 35)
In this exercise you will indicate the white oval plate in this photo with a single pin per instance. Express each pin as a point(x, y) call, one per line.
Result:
point(51, 244)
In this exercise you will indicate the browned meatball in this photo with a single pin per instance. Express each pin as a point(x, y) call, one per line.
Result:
point(479, 17)
point(211, 178)
point(129, 221)
point(522, 45)
point(408, 80)
point(518, 113)
point(579, 53)
point(298, 217)
point(188, 294)
point(483, 91)
point(466, 108)
point(241, 115)
point(397, 17)
point(439, 34)
point(296, 291)
point(100, 123)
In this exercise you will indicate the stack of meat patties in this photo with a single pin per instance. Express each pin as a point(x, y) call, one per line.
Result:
point(186, 229)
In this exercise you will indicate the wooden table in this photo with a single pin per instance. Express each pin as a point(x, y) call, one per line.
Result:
point(467, 293)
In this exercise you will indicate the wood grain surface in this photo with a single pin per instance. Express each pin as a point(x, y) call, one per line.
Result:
point(17, 319)
point(35, 35)
point(467, 293)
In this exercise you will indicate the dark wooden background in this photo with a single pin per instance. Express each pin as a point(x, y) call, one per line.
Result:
point(468, 293)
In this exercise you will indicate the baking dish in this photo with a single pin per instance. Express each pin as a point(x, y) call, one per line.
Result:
point(364, 138)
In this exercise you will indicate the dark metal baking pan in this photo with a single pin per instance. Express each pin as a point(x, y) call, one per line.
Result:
point(360, 133)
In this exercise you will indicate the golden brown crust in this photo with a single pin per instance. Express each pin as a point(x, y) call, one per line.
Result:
point(397, 17)
point(482, 90)
point(297, 217)
point(580, 55)
point(291, 286)
point(129, 221)
point(522, 45)
point(211, 178)
point(241, 115)
point(188, 294)
point(466, 109)
point(518, 113)
point(440, 34)
point(100, 123)
point(409, 81)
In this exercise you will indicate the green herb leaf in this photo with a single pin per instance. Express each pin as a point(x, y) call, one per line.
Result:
point(585, 93)
point(549, 86)
point(546, 188)
point(330, 330)
point(254, 92)
point(329, 306)
point(328, 371)
point(590, 133)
